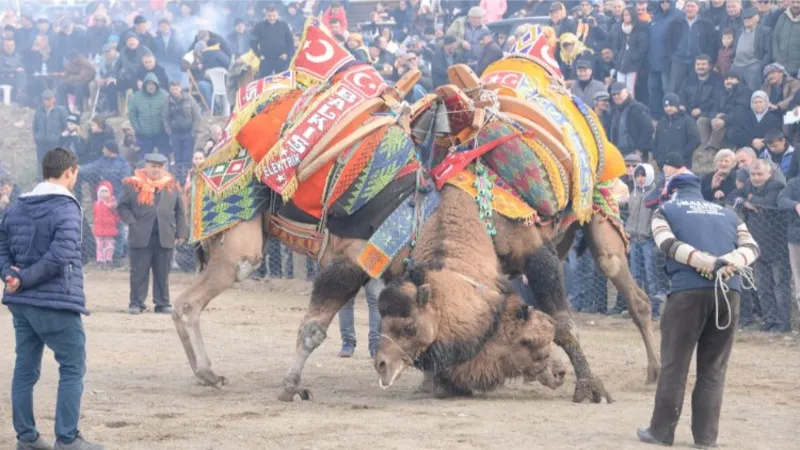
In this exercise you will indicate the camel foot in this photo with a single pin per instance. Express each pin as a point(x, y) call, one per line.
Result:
point(427, 386)
point(591, 389)
point(653, 373)
point(288, 394)
point(208, 378)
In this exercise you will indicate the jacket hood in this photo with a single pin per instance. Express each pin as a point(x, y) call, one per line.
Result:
point(685, 183)
point(46, 197)
point(649, 174)
point(151, 77)
point(105, 184)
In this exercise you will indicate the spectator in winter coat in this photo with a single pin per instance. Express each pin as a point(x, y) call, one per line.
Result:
point(734, 15)
point(789, 202)
point(40, 262)
point(78, 72)
point(12, 71)
point(294, 18)
point(630, 49)
point(149, 65)
point(752, 50)
point(785, 37)
point(141, 28)
point(105, 223)
point(716, 13)
point(109, 167)
point(146, 113)
point(604, 67)
point(72, 138)
point(469, 30)
point(130, 60)
point(106, 79)
point(643, 248)
point(181, 117)
point(725, 53)
point(273, 43)
point(750, 130)
point(768, 225)
point(746, 156)
point(716, 185)
point(780, 153)
point(447, 55)
point(559, 20)
point(602, 107)
point(49, 121)
point(675, 132)
point(687, 38)
point(490, 52)
point(592, 27)
point(166, 45)
point(97, 35)
point(631, 127)
point(657, 58)
point(212, 39)
point(585, 87)
point(731, 107)
point(780, 87)
point(239, 38)
point(700, 92)
point(495, 9)
point(100, 131)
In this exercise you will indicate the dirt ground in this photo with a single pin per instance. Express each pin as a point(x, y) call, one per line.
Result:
point(140, 392)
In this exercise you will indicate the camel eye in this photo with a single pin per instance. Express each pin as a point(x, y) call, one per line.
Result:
point(410, 330)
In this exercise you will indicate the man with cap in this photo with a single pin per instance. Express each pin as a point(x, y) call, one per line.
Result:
point(703, 241)
point(751, 49)
point(731, 107)
point(676, 131)
point(106, 79)
point(49, 121)
point(448, 54)
point(684, 49)
point(586, 86)
point(631, 127)
point(559, 20)
point(152, 206)
point(600, 104)
point(469, 30)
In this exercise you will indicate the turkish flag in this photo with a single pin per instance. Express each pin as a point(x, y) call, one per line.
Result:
point(319, 55)
point(366, 79)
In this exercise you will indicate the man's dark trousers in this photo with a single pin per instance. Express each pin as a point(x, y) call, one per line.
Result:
point(158, 259)
point(62, 332)
point(689, 320)
point(183, 147)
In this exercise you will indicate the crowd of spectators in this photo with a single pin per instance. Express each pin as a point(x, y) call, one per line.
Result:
point(670, 81)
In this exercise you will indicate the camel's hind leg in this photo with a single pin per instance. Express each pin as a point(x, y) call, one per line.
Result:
point(333, 287)
point(608, 250)
point(233, 257)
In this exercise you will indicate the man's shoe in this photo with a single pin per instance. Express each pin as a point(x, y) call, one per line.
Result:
point(38, 444)
point(645, 436)
point(347, 350)
point(135, 310)
point(163, 310)
point(78, 444)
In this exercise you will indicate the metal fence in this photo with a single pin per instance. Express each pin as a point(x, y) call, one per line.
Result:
point(772, 302)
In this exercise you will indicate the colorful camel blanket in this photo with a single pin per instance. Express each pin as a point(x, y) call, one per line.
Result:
point(212, 213)
point(605, 204)
point(396, 232)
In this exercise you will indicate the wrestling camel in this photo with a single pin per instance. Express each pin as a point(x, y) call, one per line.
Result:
point(471, 335)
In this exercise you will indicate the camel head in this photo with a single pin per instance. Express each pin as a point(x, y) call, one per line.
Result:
point(553, 374)
point(533, 353)
point(408, 328)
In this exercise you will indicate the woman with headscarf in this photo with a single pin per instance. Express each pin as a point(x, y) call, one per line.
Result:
point(780, 86)
point(571, 50)
point(749, 130)
point(630, 49)
point(355, 43)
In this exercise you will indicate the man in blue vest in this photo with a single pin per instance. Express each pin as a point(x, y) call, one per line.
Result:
point(702, 241)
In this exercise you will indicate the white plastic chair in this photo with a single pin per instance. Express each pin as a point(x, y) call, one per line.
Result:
point(6, 93)
point(219, 78)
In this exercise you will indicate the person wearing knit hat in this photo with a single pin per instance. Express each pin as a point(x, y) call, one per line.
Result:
point(706, 245)
point(751, 127)
point(735, 99)
point(780, 87)
point(675, 131)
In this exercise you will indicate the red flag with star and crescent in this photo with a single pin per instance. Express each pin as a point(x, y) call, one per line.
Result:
point(318, 56)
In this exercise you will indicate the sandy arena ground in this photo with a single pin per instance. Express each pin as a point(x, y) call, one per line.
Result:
point(140, 392)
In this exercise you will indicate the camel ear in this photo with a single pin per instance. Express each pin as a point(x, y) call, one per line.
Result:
point(423, 294)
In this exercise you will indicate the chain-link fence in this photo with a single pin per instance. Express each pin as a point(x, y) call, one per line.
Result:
point(770, 306)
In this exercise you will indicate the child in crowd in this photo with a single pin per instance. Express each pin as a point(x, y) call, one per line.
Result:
point(72, 138)
point(725, 54)
point(130, 146)
point(106, 223)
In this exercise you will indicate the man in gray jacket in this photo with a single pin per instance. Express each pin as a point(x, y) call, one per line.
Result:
point(586, 87)
point(152, 206)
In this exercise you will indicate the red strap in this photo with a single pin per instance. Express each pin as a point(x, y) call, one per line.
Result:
point(456, 162)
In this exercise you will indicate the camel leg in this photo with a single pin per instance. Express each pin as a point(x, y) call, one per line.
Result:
point(610, 257)
point(233, 257)
point(546, 278)
point(333, 287)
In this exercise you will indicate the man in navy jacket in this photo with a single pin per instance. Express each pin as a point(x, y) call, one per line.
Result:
point(40, 262)
point(702, 241)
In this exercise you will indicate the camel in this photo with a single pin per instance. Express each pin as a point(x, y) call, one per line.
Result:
point(439, 318)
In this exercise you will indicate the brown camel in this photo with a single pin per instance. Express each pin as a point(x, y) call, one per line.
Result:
point(439, 318)
point(531, 250)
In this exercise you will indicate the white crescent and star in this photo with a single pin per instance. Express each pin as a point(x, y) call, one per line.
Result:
point(319, 59)
point(359, 76)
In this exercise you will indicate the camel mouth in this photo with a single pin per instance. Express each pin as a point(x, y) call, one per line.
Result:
point(387, 377)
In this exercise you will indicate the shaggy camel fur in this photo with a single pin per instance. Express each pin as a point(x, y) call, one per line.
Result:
point(439, 318)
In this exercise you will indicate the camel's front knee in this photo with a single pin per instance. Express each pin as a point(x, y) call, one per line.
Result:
point(246, 267)
point(610, 265)
point(312, 335)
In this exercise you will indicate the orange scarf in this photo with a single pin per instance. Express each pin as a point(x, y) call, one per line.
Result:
point(147, 187)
